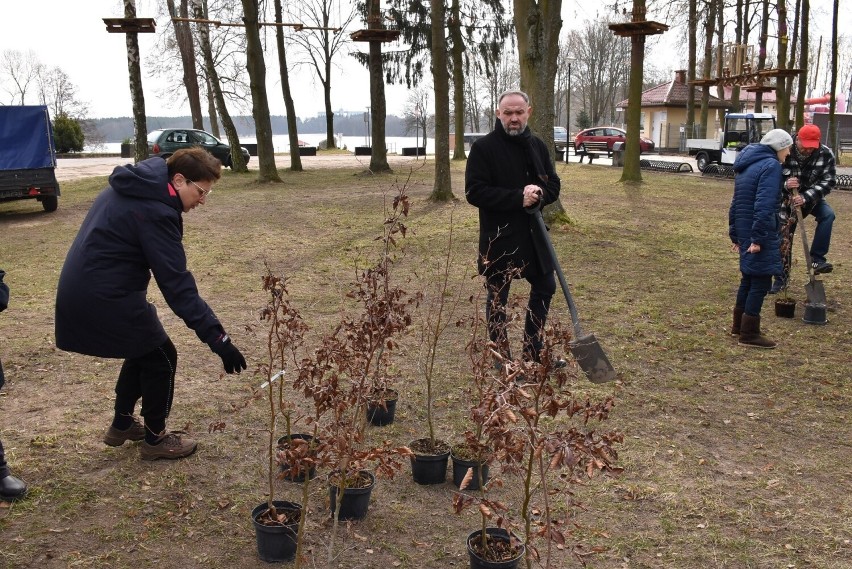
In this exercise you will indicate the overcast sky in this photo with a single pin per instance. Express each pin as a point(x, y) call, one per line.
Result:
point(72, 36)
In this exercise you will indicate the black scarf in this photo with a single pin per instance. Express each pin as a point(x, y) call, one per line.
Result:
point(524, 140)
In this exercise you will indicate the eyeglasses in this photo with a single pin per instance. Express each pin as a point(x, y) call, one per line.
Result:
point(201, 191)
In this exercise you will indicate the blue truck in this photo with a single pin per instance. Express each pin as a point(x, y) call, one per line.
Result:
point(28, 156)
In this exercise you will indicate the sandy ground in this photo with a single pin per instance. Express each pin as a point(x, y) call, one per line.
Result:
point(75, 168)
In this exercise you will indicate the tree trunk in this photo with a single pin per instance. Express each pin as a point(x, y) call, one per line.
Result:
point(782, 98)
point(238, 163)
point(183, 38)
point(457, 53)
point(692, 32)
point(292, 128)
point(708, 65)
point(443, 189)
point(832, 104)
point(211, 108)
point(378, 111)
point(632, 171)
point(140, 126)
point(803, 64)
point(537, 24)
point(378, 105)
point(329, 114)
point(761, 54)
point(739, 24)
point(259, 103)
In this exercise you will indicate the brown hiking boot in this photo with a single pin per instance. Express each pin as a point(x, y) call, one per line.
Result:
point(170, 445)
point(750, 334)
point(116, 438)
point(738, 318)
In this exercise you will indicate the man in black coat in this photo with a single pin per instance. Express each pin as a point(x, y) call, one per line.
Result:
point(133, 230)
point(11, 488)
point(509, 174)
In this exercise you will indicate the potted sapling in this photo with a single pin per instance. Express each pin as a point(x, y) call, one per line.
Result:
point(546, 440)
point(340, 376)
point(278, 523)
point(431, 455)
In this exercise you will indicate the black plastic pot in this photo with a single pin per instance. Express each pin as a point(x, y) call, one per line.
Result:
point(355, 501)
point(379, 414)
point(814, 314)
point(312, 473)
point(429, 468)
point(275, 543)
point(460, 467)
point(785, 308)
point(477, 562)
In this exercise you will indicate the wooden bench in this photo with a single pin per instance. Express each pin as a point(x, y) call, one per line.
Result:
point(593, 150)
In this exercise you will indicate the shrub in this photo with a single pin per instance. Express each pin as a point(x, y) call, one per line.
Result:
point(68, 134)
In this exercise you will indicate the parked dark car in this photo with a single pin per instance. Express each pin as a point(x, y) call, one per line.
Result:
point(610, 135)
point(166, 141)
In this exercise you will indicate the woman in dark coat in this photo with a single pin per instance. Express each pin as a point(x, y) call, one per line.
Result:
point(753, 229)
point(133, 230)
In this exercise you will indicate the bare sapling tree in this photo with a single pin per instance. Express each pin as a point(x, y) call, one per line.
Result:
point(547, 441)
point(347, 366)
point(437, 309)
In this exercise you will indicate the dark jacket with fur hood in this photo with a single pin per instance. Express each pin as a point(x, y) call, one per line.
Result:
point(752, 217)
point(498, 168)
point(133, 230)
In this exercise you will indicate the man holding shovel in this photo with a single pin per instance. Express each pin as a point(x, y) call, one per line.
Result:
point(510, 170)
point(810, 176)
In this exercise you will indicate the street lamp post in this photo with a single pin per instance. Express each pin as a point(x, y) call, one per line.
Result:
point(568, 109)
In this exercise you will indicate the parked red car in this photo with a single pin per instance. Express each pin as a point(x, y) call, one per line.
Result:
point(608, 134)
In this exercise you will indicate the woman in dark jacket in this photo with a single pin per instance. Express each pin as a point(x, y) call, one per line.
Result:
point(133, 230)
point(753, 229)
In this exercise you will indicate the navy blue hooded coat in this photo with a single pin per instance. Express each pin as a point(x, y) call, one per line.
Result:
point(134, 229)
point(753, 214)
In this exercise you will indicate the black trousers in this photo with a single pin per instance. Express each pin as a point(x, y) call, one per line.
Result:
point(4, 468)
point(150, 377)
point(542, 288)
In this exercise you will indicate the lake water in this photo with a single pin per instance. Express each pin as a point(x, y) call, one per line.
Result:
point(281, 143)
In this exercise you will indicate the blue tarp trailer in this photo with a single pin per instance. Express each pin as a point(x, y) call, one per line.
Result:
point(27, 155)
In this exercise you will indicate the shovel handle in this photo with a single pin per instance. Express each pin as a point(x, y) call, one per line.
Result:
point(575, 320)
point(807, 248)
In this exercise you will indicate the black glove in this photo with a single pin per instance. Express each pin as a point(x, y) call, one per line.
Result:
point(232, 359)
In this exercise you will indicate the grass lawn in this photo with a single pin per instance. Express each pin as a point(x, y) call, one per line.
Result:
point(733, 458)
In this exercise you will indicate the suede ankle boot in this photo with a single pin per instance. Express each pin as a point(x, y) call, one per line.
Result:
point(750, 333)
point(738, 317)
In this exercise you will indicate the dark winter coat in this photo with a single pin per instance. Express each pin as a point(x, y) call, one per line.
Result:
point(133, 230)
point(752, 217)
point(498, 168)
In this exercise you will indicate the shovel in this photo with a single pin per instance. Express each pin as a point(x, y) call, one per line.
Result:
point(585, 348)
point(813, 288)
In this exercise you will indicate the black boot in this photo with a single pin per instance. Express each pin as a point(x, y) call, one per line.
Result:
point(738, 317)
point(12, 489)
point(750, 334)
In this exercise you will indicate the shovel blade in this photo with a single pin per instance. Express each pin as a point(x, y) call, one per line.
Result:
point(815, 291)
point(592, 359)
